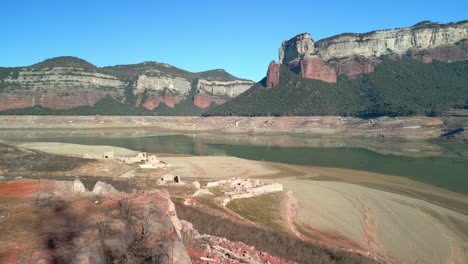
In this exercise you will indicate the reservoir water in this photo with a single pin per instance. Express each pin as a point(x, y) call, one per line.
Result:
point(444, 165)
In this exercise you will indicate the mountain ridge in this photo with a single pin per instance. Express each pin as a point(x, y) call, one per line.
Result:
point(68, 82)
point(427, 79)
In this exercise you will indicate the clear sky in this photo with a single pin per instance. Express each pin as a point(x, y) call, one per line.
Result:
point(240, 36)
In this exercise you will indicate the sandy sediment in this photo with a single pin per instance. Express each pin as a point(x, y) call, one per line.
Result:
point(217, 167)
point(75, 149)
point(399, 228)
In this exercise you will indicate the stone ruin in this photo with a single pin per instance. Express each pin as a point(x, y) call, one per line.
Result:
point(140, 157)
point(148, 162)
point(169, 179)
point(221, 250)
point(238, 188)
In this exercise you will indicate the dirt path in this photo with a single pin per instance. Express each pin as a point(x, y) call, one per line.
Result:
point(291, 205)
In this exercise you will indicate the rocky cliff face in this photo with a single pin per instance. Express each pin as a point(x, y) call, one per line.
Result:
point(68, 82)
point(422, 36)
point(56, 88)
point(354, 54)
point(314, 68)
point(273, 75)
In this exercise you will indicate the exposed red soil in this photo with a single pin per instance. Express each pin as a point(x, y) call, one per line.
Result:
point(10, 256)
point(22, 189)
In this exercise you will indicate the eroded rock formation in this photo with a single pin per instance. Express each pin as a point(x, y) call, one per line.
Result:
point(202, 100)
point(68, 82)
point(354, 54)
point(113, 227)
point(314, 68)
point(273, 75)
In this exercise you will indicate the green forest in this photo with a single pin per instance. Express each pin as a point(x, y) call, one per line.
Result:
point(397, 88)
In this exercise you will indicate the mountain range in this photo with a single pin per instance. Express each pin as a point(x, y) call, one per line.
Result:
point(419, 70)
point(70, 85)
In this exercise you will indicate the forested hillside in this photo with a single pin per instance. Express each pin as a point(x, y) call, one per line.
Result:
point(396, 87)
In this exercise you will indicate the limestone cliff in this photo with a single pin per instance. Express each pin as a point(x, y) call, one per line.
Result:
point(69, 82)
point(421, 36)
point(353, 54)
point(56, 88)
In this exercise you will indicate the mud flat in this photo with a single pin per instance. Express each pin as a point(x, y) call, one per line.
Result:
point(400, 127)
point(75, 149)
point(218, 167)
point(399, 228)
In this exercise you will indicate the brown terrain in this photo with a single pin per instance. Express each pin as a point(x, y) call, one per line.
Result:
point(138, 222)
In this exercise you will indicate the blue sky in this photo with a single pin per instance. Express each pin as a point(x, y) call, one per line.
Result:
point(239, 36)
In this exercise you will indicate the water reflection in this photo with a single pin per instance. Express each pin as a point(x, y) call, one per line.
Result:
point(441, 165)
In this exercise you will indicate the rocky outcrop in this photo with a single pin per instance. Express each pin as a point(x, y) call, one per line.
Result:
point(152, 101)
point(160, 83)
point(422, 36)
point(202, 100)
point(112, 227)
point(104, 189)
point(224, 88)
point(273, 75)
point(297, 48)
point(354, 54)
point(314, 68)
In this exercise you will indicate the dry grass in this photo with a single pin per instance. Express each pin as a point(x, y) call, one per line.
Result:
point(17, 160)
point(280, 244)
point(265, 210)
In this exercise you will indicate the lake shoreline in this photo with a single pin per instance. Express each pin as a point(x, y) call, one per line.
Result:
point(415, 128)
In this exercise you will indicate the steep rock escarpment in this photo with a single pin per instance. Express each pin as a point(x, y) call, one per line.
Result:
point(68, 82)
point(314, 68)
point(56, 88)
point(353, 54)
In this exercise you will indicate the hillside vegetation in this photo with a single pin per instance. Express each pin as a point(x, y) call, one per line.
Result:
point(397, 87)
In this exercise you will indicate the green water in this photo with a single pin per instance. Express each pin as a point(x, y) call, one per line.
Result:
point(446, 171)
